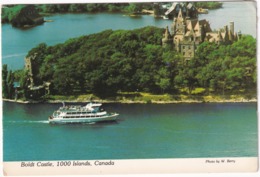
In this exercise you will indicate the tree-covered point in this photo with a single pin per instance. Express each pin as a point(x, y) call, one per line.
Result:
point(208, 5)
point(134, 60)
point(79, 8)
point(102, 63)
point(94, 7)
point(9, 12)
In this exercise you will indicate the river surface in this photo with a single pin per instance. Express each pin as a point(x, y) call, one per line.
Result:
point(17, 42)
point(143, 131)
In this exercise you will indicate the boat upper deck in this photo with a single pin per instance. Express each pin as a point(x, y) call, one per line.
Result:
point(90, 107)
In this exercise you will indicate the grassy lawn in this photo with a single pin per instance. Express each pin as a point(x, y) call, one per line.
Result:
point(198, 95)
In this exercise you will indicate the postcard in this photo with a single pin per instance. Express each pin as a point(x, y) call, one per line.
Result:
point(127, 87)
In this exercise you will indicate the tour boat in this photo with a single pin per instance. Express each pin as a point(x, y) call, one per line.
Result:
point(90, 113)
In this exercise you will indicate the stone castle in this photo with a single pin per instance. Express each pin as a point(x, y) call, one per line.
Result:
point(187, 31)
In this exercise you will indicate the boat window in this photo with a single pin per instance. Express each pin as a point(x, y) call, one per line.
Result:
point(101, 108)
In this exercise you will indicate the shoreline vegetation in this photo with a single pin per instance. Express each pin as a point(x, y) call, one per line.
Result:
point(142, 98)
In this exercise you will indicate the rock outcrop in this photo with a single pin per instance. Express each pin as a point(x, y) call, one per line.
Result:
point(26, 17)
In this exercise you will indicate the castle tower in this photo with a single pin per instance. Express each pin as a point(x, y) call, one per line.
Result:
point(231, 31)
point(180, 24)
point(226, 36)
point(231, 26)
point(180, 15)
point(167, 38)
point(173, 28)
point(220, 38)
point(202, 32)
point(28, 64)
point(184, 28)
point(28, 67)
point(239, 35)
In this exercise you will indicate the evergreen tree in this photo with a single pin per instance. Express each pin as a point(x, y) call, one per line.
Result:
point(10, 84)
point(4, 81)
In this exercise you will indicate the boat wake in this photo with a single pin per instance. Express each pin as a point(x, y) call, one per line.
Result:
point(29, 121)
point(90, 123)
point(14, 55)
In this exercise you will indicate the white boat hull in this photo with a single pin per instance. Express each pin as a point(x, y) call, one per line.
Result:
point(109, 117)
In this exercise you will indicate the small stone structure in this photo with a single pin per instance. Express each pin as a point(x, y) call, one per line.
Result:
point(40, 90)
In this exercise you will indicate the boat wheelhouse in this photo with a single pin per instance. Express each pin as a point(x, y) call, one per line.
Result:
point(92, 112)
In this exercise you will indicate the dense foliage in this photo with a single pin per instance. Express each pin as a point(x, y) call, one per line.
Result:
point(8, 90)
point(208, 5)
point(94, 7)
point(124, 60)
point(224, 68)
point(10, 11)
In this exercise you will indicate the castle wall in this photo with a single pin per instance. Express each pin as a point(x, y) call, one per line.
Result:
point(187, 50)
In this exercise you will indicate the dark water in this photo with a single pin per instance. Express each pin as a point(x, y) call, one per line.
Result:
point(144, 131)
point(16, 42)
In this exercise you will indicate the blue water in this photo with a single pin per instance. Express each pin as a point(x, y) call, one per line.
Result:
point(143, 131)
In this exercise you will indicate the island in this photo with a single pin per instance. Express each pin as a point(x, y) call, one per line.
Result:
point(21, 16)
point(133, 66)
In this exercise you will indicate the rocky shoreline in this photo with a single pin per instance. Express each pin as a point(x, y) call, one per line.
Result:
point(187, 101)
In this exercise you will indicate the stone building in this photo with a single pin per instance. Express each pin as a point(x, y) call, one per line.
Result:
point(29, 68)
point(36, 90)
point(187, 31)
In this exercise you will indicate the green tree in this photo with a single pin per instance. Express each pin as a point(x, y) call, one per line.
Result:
point(163, 79)
point(25, 83)
point(10, 84)
point(134, 8)
point(187, 76)
point(4, 81)
point(51, 8)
